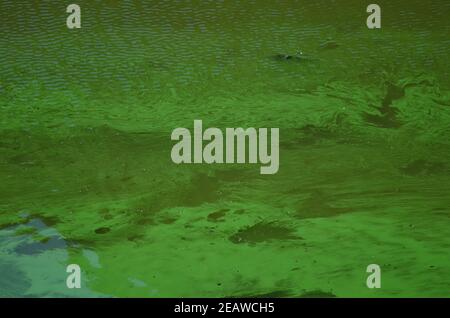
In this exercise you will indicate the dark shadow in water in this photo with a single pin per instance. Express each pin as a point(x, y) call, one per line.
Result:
point(420, 166)
point(202, 189)
point(217, 216)
point(102, 230)
point(311, 135)
point(317, 206)
point(39, 247)
point(263, 232)
point(388, 113)
point(45, 244)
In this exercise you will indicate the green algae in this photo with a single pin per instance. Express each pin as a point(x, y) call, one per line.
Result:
point(263, 232)
point(25, 230)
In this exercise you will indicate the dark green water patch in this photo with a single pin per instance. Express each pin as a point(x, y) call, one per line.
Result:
point(102, 230)
point(318, 205)
point(11, 224)
point(388, 114)
point(311, 135)
point(40, 246)
point(418, 167)
point(42, 221)
point(263, 232)
point(31, 241)
point(217, 216)
point(202, 189)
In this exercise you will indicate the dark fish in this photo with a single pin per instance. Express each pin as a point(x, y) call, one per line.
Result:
point(298, 57)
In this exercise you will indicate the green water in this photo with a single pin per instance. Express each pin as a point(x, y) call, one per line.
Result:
point(86, 174)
